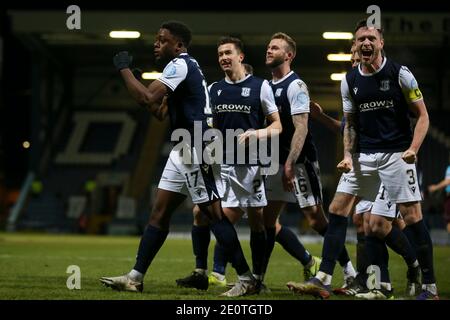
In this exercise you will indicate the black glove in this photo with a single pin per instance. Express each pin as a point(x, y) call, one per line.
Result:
point(122, 60)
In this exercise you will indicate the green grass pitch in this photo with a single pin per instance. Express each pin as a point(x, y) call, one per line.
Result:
point(33, 266)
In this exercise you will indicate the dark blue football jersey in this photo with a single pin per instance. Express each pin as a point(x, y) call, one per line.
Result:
point(380, 102)
point(292, 97)
point(189, 101)
point(240, 105)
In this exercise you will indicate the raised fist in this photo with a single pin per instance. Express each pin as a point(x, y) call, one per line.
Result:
point(122, 60)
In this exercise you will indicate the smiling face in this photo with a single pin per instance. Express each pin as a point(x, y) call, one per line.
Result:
point(277, 53)
point(369, 44)
point(230, 59)
point(166, 46)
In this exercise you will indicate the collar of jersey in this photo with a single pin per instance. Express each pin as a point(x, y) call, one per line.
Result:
point(371, 74)
point(239, 81)
point(284, 78)
point(180, 55)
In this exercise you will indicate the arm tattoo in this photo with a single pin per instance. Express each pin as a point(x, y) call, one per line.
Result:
point(298, 139)
point(349, 134)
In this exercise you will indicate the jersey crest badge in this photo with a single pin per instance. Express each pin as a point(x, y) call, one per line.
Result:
point(384, 85)
point(355, 90)
point(219, 92)
point(278, 92)
point(245, 92)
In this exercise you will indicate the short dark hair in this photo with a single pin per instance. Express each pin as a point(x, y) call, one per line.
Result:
point(363, 24)
point(236, 41)
point(179, 30)
point(290, 42)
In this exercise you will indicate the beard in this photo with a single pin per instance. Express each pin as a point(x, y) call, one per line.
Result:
point(162, 60)
point(276, 61)
point(165, 56)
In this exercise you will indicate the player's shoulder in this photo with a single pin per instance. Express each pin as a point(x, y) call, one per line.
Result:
point(255, 81)
point(212, 85)
point(392, 63)
point(222, 82)
point(405, 77)
point(285, 81)
point(254, 78)
point(294, 79)
point(175, 66)
point(182, 58)
point(404, 71)
point(188, 61)
point(291, 77)
point(351, 75)
point(296, 83)
point(217, 85)
point(395, 68)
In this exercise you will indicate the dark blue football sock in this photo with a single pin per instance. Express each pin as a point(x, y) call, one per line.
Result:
point(343, 258)
point(290, 242)
point(201, 237)
point(420, 239)
point(270, 243)
point(399, 243)
point(227, 237)
point(333, 242)
point(361, 255)
point(384, 268)
point(378, 255)
point(258, 244)
point(151, 241)
point(374, 252)
point(220, 259)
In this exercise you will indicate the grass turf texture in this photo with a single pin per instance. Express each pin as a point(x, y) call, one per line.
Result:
point(33, 266)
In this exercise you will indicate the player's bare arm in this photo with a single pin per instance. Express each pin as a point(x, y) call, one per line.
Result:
point(441, 185)
point(298, 139)
point(349, 143)
point(419, 109)
point(160, 111)
point(318, 114)
point(145, 96)
point(274, 129)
